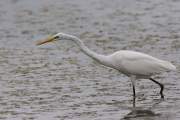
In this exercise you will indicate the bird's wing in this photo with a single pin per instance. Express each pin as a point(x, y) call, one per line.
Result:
point(142, 64)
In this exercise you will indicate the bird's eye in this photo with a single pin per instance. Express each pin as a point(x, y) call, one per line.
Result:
point(56, 37)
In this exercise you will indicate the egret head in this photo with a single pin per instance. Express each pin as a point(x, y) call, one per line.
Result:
point(56, 37)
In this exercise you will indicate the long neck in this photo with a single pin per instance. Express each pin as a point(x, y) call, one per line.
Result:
point(103, 59)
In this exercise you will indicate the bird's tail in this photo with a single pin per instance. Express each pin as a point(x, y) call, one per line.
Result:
point(168, 66)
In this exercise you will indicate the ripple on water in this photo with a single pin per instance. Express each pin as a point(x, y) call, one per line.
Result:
point(44, 83)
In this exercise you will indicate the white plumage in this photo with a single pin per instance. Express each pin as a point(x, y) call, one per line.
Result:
point(133, 64)
point(139, 64)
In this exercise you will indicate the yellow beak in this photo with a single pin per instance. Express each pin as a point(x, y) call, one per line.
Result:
point(49, 39)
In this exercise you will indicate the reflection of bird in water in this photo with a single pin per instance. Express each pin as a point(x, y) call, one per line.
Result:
point(137, 114)
point(146, 113)
point(131, 63)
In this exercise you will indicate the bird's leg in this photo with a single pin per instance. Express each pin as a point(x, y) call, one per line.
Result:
point(161, 85)
point(134, 92)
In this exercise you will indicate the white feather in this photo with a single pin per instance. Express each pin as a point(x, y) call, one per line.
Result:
point(136, 63)
point(131, 63)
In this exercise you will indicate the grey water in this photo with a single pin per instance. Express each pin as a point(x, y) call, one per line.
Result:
point(50, 83)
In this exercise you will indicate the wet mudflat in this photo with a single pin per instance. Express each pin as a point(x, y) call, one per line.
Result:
point(50, 83)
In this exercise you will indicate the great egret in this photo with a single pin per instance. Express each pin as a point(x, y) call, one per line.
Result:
point(133, 64)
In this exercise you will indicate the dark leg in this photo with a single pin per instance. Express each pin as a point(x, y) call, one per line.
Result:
point(134, 97)
point(161, 85)
point(134, 92)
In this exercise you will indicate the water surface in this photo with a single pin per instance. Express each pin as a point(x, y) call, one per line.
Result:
point(50, 83)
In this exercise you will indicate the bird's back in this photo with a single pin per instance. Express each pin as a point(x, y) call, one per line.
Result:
point(131, 62)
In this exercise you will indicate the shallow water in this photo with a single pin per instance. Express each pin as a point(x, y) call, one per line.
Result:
point(50, 83)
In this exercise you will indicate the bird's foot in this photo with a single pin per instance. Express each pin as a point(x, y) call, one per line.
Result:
point(162, 96)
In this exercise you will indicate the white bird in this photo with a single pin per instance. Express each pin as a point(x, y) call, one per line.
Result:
point(135, 65)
